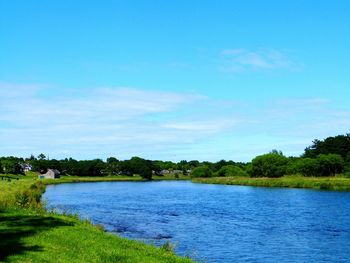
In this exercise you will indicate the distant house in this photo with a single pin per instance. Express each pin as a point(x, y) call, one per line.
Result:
point(50, 174)
point(177, 172)
point(164, 172)
point(26, 167)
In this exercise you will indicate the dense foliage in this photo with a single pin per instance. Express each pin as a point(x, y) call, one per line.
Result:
point(326, 157)
point(269, 165)
point(231, 170)
point(338, 145)
point(11, 165)
point(201, 171)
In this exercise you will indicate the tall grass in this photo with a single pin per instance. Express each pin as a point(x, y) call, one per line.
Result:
point(11, 189)
point(295, 181)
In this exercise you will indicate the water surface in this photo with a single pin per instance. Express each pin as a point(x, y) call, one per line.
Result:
point(218, 223)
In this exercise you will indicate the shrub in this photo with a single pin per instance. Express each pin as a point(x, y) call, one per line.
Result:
point(201, 171)
point(248, 168)
point(323, 165)
point(330, 164)
point(231, 170)
point(30, 197)
point(168, 247)
point(22, 199)
point(307, 166)
point(269, 165)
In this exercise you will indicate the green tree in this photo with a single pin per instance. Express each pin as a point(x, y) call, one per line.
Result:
point(11, 165)
point(141, 167)
point(231, 170)
point(306, 166)
point(337, 145)
point(40, 165)
point(330, 164)
point(70, 166)
point(201, 171)
point(193, 164)
point(269, 165)
point(112, 166)
point(94, 167)
point(41, 156)
point(248, 167)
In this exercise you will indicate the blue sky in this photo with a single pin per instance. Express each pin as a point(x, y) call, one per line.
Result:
point(172, 80)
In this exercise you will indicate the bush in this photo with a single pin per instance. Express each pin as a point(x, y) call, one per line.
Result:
point(30, 197)
point(201, 171)
point(168, 247)
point(307, 167)
point(323, 165)
point(231, 170)
point(330, 164)
point(269, 165)
point(248, 168)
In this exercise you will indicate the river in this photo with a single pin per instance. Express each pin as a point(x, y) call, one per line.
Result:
point(217, 223)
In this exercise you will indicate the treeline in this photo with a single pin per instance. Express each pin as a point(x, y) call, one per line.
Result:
point(113, 166)
point(98, 167)
point(323, 158)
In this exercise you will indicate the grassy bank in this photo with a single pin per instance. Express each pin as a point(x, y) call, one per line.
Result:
point(119, 178)
point(77, 179)
point(327, 183)
point(28, 233)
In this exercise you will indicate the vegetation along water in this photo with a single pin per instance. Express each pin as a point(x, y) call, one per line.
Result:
point(205, 222)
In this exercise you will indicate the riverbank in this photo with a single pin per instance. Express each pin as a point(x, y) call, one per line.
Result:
point(338, 183)
point(29, 233)
point(118, 178)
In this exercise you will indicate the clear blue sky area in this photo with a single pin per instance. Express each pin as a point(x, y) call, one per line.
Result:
point(172, 80)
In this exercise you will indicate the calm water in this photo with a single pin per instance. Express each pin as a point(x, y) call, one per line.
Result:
point(218, 223)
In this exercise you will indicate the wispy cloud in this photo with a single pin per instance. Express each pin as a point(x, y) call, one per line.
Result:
point(242, 60)
point(124, 122)
point(101, 121)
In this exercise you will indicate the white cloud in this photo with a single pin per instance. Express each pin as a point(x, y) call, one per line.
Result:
point(103, 121)
point(211, 126)
point(242, 60)
point(124, 122)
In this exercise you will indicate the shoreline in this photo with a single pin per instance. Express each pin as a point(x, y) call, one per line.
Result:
point(20, 202)
point(30, 233)
point(337, 183)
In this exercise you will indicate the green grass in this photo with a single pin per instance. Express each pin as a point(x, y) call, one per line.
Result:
point(27, 236)
point(9, 189)
point(171, 177)
point(340, 183)
point(114, 178)
point(77, 179)
point(28, 233)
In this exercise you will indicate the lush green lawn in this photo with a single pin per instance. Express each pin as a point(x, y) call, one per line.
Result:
point(27, 236)
point(296, 181)
point(30, 234)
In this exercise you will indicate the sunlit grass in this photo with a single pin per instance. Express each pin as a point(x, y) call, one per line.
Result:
point(28, 233)
point(27, 236)
point(296, 181)
point(10, 186)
